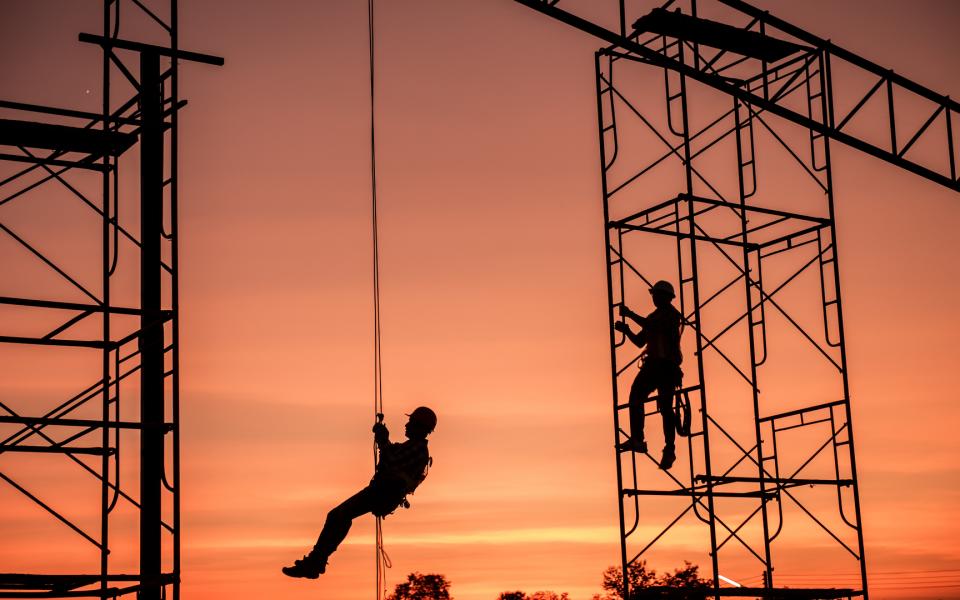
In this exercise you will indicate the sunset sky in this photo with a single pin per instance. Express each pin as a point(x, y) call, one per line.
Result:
point(493, 294)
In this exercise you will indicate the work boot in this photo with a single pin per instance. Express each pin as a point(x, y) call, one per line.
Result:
point(632, 445)
point(669, 455)
point(307, 567)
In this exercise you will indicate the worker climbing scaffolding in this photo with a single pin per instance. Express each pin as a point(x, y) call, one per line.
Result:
point(401, 468)
point(660, 370)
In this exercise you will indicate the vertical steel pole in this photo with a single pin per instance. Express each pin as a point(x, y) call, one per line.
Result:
point(747, 284)
point(695, 274)
point(105, 274)
point(175, 294)
point(623, 18)
point(826, 99)
point(610, 301)
point(151, 324)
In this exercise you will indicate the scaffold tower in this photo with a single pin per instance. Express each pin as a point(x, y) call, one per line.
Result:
point(94, 302)
point(715, 122)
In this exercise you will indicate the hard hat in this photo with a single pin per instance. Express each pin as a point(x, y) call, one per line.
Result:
point(424, 417)
point(663, 287)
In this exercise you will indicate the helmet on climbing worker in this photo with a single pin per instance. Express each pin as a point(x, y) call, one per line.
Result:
point(423, 420)
point(663, 287)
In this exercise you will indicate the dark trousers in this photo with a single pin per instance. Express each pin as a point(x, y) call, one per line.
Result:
point(663, 377)
point(378, 498)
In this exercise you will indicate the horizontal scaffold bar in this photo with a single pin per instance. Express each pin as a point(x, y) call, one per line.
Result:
point(665, 593)
point(98, 344)
point(86, 140)
point(86, 163)
point(51, 341)
point(719, 203)
point(677, 224)
point(701, 238)
point(800, 411)
point(90, 450)
point(48, 421)
point(780, 481)
point(94, 308)
point(108, 42)
point(23, 585)
point(61, 112)
point(695, 492)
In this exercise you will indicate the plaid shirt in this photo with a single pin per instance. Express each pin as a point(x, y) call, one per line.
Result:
point(405, 461)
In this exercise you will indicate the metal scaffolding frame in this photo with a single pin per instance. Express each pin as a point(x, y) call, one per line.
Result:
point(757, 263)
point(712, 229)
point(132, 332)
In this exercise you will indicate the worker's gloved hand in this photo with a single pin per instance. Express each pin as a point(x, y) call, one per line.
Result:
point(379, 429)
point(621, 327)
point(626, 312)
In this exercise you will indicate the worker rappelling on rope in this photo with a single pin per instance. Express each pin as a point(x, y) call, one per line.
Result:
point(659, 337)
point(401, 468)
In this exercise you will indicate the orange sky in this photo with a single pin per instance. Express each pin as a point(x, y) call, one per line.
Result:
point(493, 291)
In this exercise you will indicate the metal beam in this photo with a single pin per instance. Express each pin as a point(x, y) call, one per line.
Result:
point(724, 85)
point(107, 42)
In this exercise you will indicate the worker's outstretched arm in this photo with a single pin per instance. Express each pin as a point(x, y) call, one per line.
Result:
point(637, 338)
point(629, 314)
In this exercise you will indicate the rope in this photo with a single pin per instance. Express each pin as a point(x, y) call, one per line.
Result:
point(381, 558)
point(377, 363)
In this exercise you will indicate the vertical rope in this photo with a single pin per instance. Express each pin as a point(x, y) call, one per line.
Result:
point(377, 363)
point(381, 558)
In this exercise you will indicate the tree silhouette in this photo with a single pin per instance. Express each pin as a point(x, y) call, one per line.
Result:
point(638, 576)
point(419, 586)
point(686, 578)
point(518, 595)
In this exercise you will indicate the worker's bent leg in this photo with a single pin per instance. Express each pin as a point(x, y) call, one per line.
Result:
point(639, 391)
point(339, 521)
point(665, 393)
point(666, 383)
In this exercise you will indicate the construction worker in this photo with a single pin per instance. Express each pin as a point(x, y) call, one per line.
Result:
point(660, 339)
point(401, 468)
